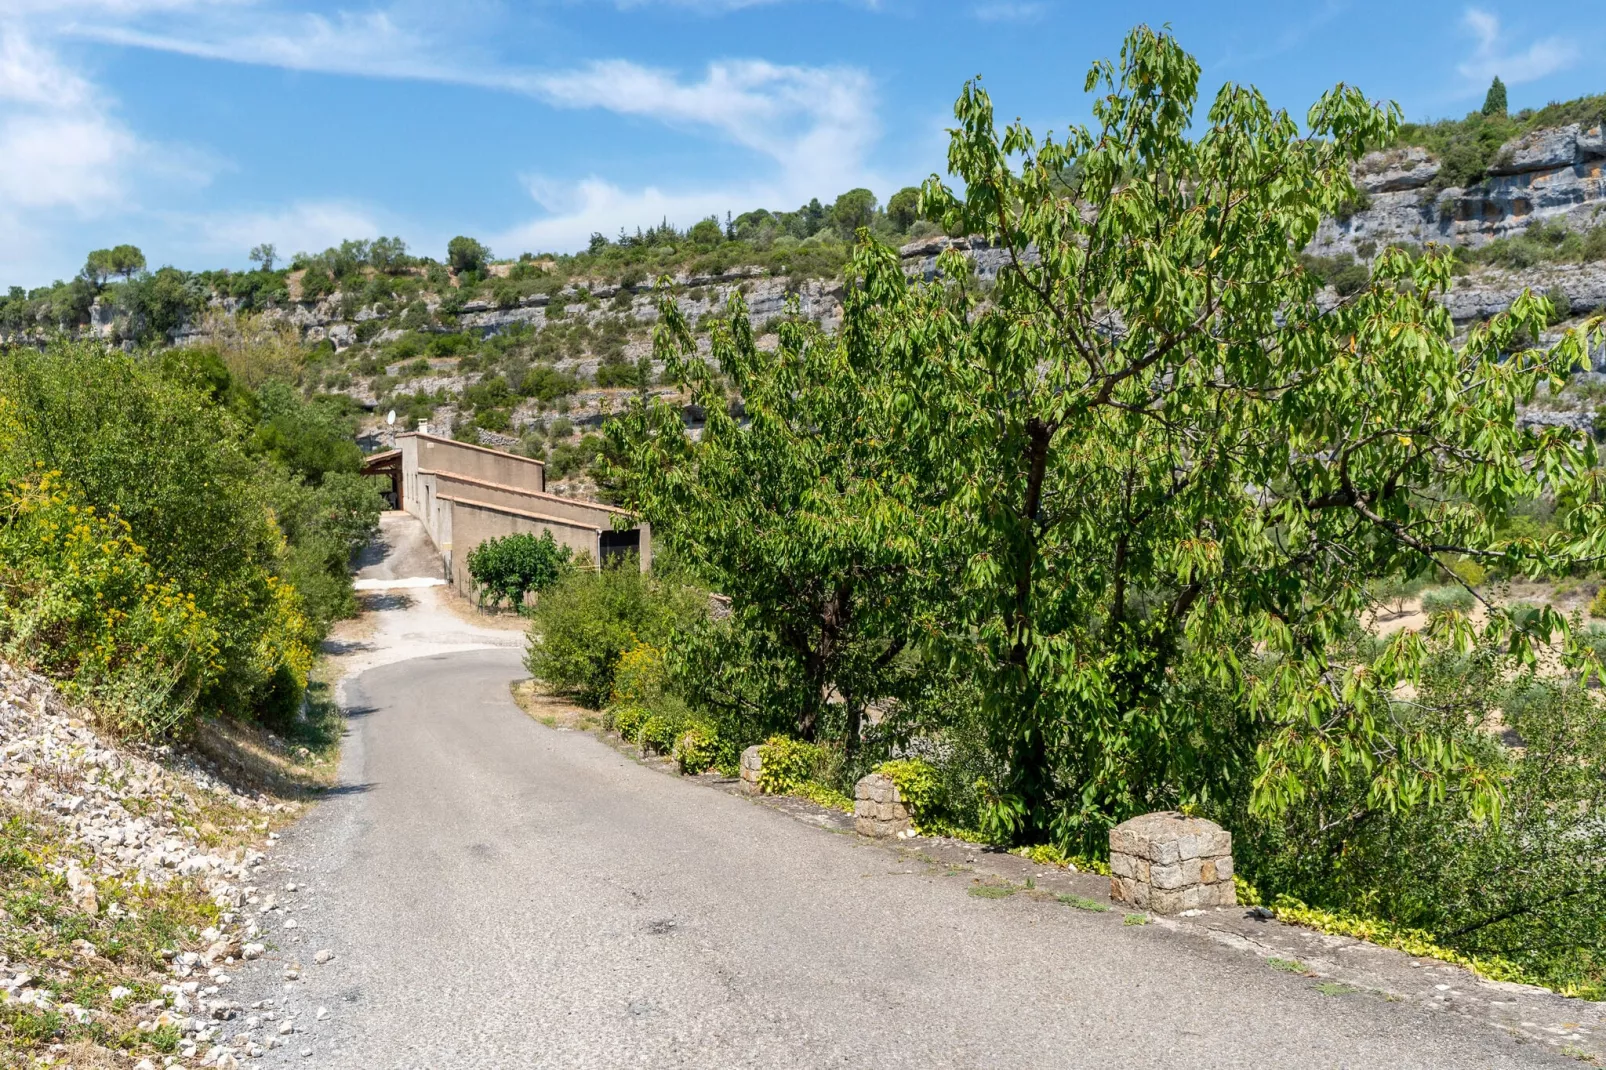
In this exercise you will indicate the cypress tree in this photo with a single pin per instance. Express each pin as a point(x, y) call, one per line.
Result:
point(1495, 102)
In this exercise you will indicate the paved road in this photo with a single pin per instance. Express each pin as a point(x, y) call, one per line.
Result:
point(504, 895)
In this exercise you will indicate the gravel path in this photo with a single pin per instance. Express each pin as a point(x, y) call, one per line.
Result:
point(500, 894)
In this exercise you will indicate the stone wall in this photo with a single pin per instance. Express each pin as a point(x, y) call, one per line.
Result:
point(1168, 863)
point(878, 808)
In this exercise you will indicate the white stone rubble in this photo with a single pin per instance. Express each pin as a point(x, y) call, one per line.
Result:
point(128, 808)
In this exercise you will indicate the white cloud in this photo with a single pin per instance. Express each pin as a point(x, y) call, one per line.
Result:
point(815, 122)
point(1009, 11)
point(59, 145)
point(706, 6)
point(1492, 57)
point(809, 128)
point(372, 44)
point(576, 211)
point(304, 226)
point(814, 125)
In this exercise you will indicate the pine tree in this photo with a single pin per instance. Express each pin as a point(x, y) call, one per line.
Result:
point(1495, 103)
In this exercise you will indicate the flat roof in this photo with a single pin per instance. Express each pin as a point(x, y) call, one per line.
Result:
point(542, 517)
point(442, 473)
point(470, 446)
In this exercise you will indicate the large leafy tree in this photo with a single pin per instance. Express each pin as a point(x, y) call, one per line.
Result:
point(1167, 460)
point(1140, 483)
point(776, 508)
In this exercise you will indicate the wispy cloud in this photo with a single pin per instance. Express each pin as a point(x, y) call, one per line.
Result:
point(369, 44)
point(809, 128)
point(815, 125)
point(60, 146)
point(1493, 55)
point(1009, 10)
point(303, 226)
point(804, 118)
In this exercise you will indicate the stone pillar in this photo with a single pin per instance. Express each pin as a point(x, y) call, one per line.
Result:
point(1169, 863)
point(751, 763)
point(878, 809)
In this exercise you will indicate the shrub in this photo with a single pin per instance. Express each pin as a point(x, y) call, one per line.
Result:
point(1521, 894)
point(1593, 639)
point(582, 627)
point(697, 749)
point(790, 764)
point(919, 786)
point(146, 442)
point(628, 719)
point(513, 567)
point(1441, 600)
point(661, 729)
point(639, 676)
point(81, 602)
point(1470, 572)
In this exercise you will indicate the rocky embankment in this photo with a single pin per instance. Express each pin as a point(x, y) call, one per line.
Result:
point(123, 827)
point(1545, 176)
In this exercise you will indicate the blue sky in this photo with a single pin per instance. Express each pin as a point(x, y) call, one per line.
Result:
point(197, 128)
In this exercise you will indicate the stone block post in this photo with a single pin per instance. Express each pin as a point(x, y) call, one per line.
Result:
point(878, 809)
point(751, 764)
point(1169, 863)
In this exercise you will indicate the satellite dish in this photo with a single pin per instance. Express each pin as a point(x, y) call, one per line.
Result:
point(390, 417)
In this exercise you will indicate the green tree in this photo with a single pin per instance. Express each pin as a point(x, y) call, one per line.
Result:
point(98, 267)
point(706, 233)
point(510, 568)
point(264, 255)
point(308, 440)
point(777, 511)
point(1149, 460)
point(160, 303)
point(854, 209)
point(126, 260)
point(388, 254)
point(903, 208)
point(466, 254)
point(1494, 103)
point(1223, 472)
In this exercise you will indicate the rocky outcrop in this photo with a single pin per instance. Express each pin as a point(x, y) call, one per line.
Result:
point(1544, 176)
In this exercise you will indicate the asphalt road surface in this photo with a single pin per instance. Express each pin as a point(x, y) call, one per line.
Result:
point(501, 894)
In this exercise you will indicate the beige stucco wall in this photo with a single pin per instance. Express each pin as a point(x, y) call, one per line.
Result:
point(466, 494)
point(473, 522)
point(478, 462)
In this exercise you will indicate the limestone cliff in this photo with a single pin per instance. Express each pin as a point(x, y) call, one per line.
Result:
point(1545, 176)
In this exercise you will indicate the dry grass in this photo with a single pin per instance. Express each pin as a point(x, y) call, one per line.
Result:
point(554, 711)
point(466, 611)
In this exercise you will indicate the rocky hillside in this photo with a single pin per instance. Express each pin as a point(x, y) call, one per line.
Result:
point(529, 355)
point(1546, 177)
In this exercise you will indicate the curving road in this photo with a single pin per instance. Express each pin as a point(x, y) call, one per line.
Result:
point(502, 894)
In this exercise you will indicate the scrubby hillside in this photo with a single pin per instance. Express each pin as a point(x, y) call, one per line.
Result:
point(512, 353)
point(531, 354)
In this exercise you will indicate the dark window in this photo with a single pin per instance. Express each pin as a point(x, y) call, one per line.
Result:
point(619, 543)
